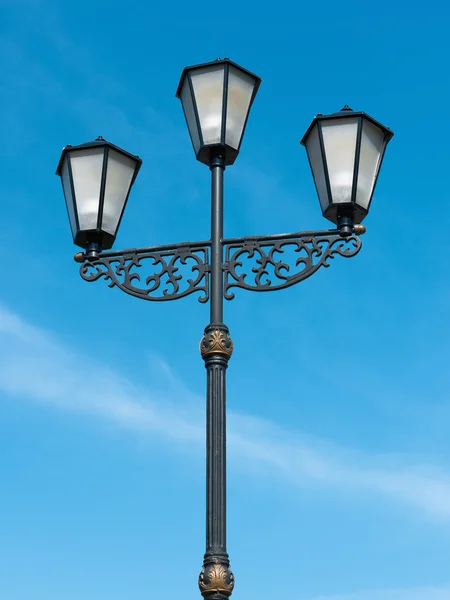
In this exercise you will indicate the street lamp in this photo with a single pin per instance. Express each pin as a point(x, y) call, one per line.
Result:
point(216, 99)
point(345, 151)
point(97, 179)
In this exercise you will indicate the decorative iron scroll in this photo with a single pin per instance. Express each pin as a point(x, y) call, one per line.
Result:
point(164, 276)
point(272, 269)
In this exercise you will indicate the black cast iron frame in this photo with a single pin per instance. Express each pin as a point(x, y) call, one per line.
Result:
point(217, 268)
point(314, 249)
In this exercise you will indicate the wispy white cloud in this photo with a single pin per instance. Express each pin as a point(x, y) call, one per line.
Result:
point(420, 593)
point(35, 366)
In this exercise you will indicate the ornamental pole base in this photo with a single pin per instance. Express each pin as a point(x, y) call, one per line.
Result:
point(216, 581)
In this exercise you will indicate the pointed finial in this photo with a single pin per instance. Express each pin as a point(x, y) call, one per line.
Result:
point(346, 107)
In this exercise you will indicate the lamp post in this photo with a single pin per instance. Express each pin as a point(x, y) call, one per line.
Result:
point(345, 152)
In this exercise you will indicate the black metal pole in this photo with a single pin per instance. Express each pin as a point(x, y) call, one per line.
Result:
point(217, 172)
point(216, 580)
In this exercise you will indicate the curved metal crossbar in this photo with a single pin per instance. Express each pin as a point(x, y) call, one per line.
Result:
point(281, 261)
point(156, 273)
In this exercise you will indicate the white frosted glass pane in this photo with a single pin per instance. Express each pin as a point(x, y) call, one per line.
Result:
point(208, 90)
point(119, 174)
point(372, 145)
point(87, 174)
point(339, 138)
point(315, 159)
point(188, 107)
point(240, 90)
point(67, 187)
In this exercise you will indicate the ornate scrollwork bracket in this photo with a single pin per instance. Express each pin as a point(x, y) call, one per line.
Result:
point(160, 273)
point(216, 578)
point(156, 273)
point(282, 261)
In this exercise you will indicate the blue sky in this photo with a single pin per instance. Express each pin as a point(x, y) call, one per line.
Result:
point(339, 411)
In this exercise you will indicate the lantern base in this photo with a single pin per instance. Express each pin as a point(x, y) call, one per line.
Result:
point(207, 153)
point(335, 212)
point(94, 236)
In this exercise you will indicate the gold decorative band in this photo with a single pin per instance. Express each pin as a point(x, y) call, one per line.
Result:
point(217, 577)
point(216, 342)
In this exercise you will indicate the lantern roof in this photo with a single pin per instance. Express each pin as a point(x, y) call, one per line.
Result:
point(213, 63)
point(347, 112)
point(99, 141)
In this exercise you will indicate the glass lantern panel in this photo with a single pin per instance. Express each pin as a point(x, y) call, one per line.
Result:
point(339, 138)
point(372, 147)
point(208, 83)
point(317, 167)
point(189, 113)
point(87, 166)
point(119, 175)
point(67, 188)
point(240, 91)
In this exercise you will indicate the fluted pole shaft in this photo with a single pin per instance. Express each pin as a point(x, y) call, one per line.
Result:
point(216, 541)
